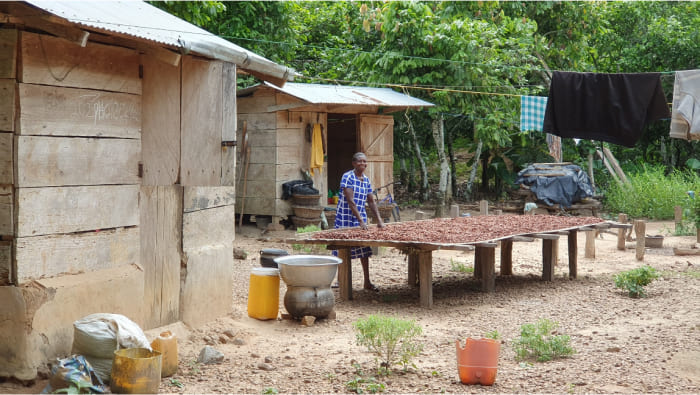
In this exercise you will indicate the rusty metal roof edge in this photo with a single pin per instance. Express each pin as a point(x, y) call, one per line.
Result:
point(143, 21)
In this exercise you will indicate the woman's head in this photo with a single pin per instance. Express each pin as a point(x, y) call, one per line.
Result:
point(359, 162)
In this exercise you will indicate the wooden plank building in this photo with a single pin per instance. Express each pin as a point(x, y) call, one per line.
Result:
point(276, 119)
point(116, 171)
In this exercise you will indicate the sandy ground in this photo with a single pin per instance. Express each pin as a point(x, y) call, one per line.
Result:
point(623, 345)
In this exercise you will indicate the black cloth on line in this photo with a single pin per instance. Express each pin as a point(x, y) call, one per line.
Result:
point(604, 107)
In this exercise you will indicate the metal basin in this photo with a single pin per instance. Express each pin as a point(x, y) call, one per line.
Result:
point(315, 271)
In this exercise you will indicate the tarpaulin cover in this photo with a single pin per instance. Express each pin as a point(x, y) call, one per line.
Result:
point(568, 186)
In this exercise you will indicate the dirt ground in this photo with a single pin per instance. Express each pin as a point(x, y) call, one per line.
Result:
point(623, 345)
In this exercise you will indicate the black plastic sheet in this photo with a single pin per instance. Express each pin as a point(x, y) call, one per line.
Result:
point(563, 185)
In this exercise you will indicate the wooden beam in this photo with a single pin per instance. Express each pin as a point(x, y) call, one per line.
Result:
point(590, 244)
point(546, 236)
point(425, 277)
point(66, 32)
point(507, 257)
point(639, 231)
point(413, 270)
point(607, 166)
point(487, 262)
point(615, 165)
point(345, 274)
point(621, 232)
point(572, 240)
point(548, 259)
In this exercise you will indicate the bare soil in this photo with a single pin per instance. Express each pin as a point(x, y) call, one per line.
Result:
point(623, 345)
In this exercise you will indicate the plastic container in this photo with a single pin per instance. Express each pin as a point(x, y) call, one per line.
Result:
point(166, 343)
point(477, 361)
point(135, 371)
point(264, 293)
point(268, 255)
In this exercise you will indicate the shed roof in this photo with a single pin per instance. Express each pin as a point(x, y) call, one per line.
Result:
point(337, 96)
point(137, 19)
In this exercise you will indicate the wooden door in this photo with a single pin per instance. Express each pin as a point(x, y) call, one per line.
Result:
point(375, 137)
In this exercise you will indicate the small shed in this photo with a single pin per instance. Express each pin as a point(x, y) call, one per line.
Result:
point(117, 163)
point(276, 119)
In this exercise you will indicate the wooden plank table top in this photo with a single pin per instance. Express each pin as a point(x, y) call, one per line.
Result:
point(419, 250)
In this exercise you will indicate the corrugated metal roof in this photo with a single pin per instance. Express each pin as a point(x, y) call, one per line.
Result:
point(349, 95)
point(144, 21)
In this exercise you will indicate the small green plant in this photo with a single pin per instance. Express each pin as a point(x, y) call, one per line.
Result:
point(493, 335)
point(635, 280)
point(270, 390)
point(76, 387)
point(194, 367)
point(538, 342)
point(460, 267)
point(360, 385)
point(393, 340)
point(306, 247)
point(176, 383)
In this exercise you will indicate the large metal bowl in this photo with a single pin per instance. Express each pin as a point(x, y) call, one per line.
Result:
point(308, 270)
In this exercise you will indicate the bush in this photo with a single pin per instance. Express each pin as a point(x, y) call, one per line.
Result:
point(654, 193)
point(538, 342)
point(635, 280)
point(393, 340)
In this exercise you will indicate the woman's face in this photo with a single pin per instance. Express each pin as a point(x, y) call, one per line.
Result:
point(360, 164)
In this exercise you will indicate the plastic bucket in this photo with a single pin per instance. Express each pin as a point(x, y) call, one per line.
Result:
point(264, 293)
point(166, 343)
point(477, 362)
point(135, 371)
point(268, 255)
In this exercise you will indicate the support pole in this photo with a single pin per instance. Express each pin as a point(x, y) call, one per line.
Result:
point(621, 232)
point(640, 233)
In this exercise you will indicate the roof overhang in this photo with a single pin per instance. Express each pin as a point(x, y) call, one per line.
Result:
point(143, 25)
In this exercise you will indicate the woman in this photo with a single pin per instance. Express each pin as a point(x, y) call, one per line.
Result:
point(355, 190)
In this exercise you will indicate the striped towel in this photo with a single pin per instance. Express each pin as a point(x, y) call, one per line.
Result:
point(532, 112)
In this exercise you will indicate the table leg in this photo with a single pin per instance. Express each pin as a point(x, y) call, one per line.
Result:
point(425, 276)
point(345, 274)
point(548, 256)
point(573, 251)
point(413, 270)
point(487, 262)
point(506, 257)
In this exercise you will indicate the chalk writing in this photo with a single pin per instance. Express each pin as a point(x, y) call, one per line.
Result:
point(99, 108)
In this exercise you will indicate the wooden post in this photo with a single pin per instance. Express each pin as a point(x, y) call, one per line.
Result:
point(484, 207)
point(615, 165)
point(678, 217)
point(497, 212)
point(345, 274)
point(640, 232)
point(454, 211)
point(590, 171)
point(506, 257)
point(487, 260)
point(477, 262)
point(621, 232)
point(548, 255)
point(607, 166)
point(590, 244)
point(425, 277)
point(413, 270)
point(555, 252)
point(572, 240)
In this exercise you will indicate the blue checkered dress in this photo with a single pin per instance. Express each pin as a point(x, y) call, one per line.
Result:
point(343, 215)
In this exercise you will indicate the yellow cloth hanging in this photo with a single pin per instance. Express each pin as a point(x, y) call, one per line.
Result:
point(316, 149)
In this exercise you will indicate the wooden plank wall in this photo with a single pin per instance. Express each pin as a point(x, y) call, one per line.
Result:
point(279, 150)
point(160, 141)
point(161, 236)
point(201, 122)
point(8, 61)
point(77, 147)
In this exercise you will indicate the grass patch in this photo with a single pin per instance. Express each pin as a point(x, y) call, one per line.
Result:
point(460, 267)
point(653, 194)
point(540, 343)
point(309, 248)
